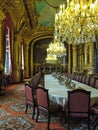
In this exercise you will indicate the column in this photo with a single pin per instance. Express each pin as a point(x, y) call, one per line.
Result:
point(74, 54)
point(92, 54)
point(26, 66)
point(89, 58)
point(17, 57)
point(69, 59)
point(85, 54)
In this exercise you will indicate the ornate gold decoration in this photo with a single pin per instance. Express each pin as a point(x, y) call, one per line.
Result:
point(51, 59)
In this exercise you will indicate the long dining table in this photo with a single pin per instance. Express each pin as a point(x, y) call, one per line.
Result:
point(59, 93)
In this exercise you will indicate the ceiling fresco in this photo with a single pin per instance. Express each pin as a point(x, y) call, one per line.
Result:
point(46, 10)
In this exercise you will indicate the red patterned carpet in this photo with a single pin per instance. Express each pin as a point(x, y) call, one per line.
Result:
point(12, 116)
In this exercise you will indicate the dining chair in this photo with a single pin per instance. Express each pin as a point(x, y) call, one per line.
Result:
point(83, 79)
point(30, 99)
point(35, 80)
point(96, 83)
point(71, 76)
point(44, 105)
point(92, 81)
point(87, 79)
point(78, 105)
point(77, 77)
point(94, 110)
point(80, 77)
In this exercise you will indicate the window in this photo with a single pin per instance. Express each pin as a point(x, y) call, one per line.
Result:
point(7, 55)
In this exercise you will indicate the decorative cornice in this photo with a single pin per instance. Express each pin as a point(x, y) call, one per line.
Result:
point(28, 13)
point(2, 16)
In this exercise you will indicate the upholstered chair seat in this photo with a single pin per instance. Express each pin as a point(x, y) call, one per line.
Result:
point(78, 105)
point(30, 99)
point(45, 106)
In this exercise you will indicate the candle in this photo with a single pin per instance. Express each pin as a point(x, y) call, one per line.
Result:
point(67, 3)
point(63, 7)
point(92, 8)
point(56, 17)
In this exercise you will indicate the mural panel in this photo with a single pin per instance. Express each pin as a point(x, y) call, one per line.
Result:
point(46, 10)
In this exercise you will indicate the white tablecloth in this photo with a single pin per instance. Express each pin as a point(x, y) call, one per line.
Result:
point(58, 93)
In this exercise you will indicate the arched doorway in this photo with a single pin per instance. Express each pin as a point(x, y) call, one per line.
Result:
point(38, 57)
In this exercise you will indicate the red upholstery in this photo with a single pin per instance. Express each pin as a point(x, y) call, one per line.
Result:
point(30, 100)
point(78, 105)
point(44, 105)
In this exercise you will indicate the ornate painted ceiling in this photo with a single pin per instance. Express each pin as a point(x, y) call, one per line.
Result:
point(28, 15)
point(46, 9)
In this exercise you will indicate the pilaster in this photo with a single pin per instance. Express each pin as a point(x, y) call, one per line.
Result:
point(17, 57)
point(74, 58)
point(26, 66)
point(69, 59)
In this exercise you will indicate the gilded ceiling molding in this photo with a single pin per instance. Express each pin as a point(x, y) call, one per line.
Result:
point(28, 13)
point(42, 34)
point(2, 15)
point(53, 6)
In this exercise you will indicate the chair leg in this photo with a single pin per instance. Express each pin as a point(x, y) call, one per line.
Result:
point(37, 116)
point(61, 116)
point(95, 118)
point(88, 123)
point(33, 112)
point(26, 108)
point(68, 123)
point(95, 125)
point(48, 126)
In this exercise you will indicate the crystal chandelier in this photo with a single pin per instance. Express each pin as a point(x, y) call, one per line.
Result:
point(78, 22)
point(56, 48)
